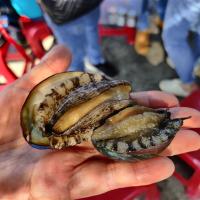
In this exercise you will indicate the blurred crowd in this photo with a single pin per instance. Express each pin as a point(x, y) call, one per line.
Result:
point(75, 25)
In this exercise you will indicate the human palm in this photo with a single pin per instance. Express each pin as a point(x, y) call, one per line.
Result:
point(80, 171)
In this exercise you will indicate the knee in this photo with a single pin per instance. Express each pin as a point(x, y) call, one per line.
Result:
point(172, 37)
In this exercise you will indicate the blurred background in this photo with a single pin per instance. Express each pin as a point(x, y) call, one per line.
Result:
point(155, 44)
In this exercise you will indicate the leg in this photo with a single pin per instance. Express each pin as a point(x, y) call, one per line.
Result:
point(95, 62)
point(72, 36)
point(197, 45)
point(93, 48)
point(142, 42)
point(197, 56)
point(175, 39)
point(143, 18)
point(178, 49)
point(161, 8)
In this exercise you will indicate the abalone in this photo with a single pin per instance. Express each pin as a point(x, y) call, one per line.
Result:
point(69, 108)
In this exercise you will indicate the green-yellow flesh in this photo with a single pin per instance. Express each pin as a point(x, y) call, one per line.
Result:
point(73, 115)
point(129, 125)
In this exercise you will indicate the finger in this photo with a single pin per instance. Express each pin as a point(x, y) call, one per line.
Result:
point(95, 176)
point(155, 99)
point(182, 112)
point(184, 141)
point(55, 61)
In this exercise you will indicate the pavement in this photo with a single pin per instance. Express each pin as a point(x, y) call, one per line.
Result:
point(133, 67)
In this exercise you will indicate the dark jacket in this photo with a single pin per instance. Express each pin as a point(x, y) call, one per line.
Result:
point(62, 11)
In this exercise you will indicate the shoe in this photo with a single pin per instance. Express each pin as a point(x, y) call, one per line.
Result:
point(105, 68)
point(142, 42)
point(174, 86)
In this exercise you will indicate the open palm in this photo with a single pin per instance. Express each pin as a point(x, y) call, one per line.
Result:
point(28, 174)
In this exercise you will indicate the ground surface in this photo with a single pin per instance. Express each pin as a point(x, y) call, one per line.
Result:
point(143, 76)
point(133, 67)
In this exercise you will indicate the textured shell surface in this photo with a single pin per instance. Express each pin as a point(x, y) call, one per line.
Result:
point(69, 108)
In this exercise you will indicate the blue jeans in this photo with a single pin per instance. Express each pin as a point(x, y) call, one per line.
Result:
point(176, 43)
point(143, 18)
point(146, 6)
point(81, 37)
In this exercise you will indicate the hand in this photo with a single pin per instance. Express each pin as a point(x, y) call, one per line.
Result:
point(29, 174)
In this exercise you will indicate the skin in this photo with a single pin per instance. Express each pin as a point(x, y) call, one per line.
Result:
point(29, 174)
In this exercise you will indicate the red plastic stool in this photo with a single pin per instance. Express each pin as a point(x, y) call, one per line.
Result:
point(192, 184)
point(4, 70)
point(6, 56)
point(149, 192)
point(35, 32)
point(192, 101)
point(128, 32)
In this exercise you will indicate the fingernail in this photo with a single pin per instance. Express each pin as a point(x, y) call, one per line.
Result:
point(139, 98)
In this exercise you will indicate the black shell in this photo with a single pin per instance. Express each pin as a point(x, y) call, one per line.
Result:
point(143, 142)
point(71, 107)
point(49, 103)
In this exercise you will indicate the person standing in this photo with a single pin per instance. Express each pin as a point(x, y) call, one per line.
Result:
point(182, 18)
point(75, 25)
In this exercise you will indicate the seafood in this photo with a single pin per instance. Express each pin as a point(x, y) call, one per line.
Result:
point(69, 108)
